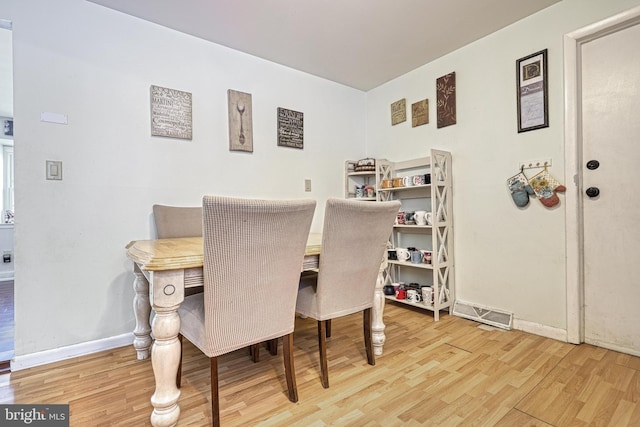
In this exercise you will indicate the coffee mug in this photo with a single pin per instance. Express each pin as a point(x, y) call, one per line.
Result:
point(400, 218)
point(419, 218)
point(403, 254)
point(418, 180)
point(416, 257)
point(392, 255)
point(386, 183)
point(402, 294)
point(427, 295)
point(413, 296)
point(426, 257)
point(407, 181)
point(409, 218)
point(397, 182)
point(428, 218)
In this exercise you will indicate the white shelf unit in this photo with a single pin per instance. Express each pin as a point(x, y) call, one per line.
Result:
point(435, 197)
point(353, 178)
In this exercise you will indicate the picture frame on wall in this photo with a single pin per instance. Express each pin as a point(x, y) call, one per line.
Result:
point(532, 92)
point(8, 127)
point(240, 121)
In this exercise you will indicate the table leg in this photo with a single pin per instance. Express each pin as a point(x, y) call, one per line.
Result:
point(165, 357)
point(167, 293)
point(142, 311)
point(377, 325)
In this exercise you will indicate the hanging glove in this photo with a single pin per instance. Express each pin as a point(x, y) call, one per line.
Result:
point(520, 189)
point(546, 188)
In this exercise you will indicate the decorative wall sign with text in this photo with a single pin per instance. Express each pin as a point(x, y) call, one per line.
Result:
point(446, 100)
point(420, 113)
point(170, 113)
point(290, 128)
point(533, 109)
point(240, 121)
point(398, 112)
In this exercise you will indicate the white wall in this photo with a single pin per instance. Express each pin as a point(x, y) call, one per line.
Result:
point(506, 257)
point(73, 280)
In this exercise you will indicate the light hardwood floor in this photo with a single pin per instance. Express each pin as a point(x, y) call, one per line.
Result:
point(432, 374)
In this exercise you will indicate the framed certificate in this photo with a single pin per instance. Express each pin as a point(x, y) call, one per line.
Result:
point(532, 92)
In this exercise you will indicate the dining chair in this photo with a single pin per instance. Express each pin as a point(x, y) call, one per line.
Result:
point(354, 240)
point(253, 255)
point(177, 221)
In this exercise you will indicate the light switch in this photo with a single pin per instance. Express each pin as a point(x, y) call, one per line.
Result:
point(54, 170)
point(307, 185)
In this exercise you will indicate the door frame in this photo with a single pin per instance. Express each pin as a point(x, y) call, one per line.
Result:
point(574, 230)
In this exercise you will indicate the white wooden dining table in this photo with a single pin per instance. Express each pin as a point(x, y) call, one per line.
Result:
point(163, 269)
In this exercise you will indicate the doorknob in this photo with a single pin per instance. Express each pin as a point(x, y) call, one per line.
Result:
point(593, 191)
point(593, 164)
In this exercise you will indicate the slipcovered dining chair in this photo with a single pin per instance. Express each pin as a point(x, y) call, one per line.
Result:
point(354, 238)
point(178, 221)
point(253, 255)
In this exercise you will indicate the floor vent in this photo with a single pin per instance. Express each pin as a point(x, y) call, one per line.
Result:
point(490, 316)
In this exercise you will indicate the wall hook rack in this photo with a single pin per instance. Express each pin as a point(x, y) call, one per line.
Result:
point(532, 164)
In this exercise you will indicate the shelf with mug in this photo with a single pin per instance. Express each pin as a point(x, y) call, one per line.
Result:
point(411, 264)
point(420, 304)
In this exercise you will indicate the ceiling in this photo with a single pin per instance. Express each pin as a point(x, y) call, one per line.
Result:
point(358, 43)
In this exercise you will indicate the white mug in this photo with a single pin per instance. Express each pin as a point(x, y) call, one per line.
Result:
point(427, 295)
point(403, 254)
point(428, 217)
point(419, 218)
point(407, 181)
point(413, 296)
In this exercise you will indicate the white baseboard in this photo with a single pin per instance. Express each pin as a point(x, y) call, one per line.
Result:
point(63, 353)
point(6, 275)
point(539, 329)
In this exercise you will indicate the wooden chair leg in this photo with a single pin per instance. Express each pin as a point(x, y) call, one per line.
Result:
point(272, 345)
point(289, 368)
point(179, 374)
point(329, 328)
point(322, 347)
point(215, 398)
point(254, 351)
point(366, 317)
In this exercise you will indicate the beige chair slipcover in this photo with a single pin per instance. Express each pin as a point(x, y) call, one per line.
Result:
point(354, 240)
point(177, 221)
point(253, 255)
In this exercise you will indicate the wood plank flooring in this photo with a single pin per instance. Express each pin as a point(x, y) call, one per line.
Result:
point(447, 373)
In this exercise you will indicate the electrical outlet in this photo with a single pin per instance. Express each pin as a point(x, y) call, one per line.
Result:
point(307, 185)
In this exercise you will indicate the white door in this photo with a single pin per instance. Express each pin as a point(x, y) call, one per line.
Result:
point(611, 136)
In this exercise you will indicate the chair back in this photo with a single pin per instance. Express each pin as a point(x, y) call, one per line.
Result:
point(177, 221)
point(354, 240)
point(253, 255)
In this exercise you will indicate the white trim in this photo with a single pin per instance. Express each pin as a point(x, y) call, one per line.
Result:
point(540, 329)
point(573, 161)
point(63, 353)
point(6, 275)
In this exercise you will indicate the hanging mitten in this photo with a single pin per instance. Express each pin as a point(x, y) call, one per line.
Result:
point(520, 189)
point(545, 186)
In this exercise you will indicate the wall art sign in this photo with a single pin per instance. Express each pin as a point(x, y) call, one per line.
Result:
point(290, 128)
point(532, 95)
point(398, 112)
point(240, 121)
point(420, 113)
point(446, 100)
point(170, 113)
